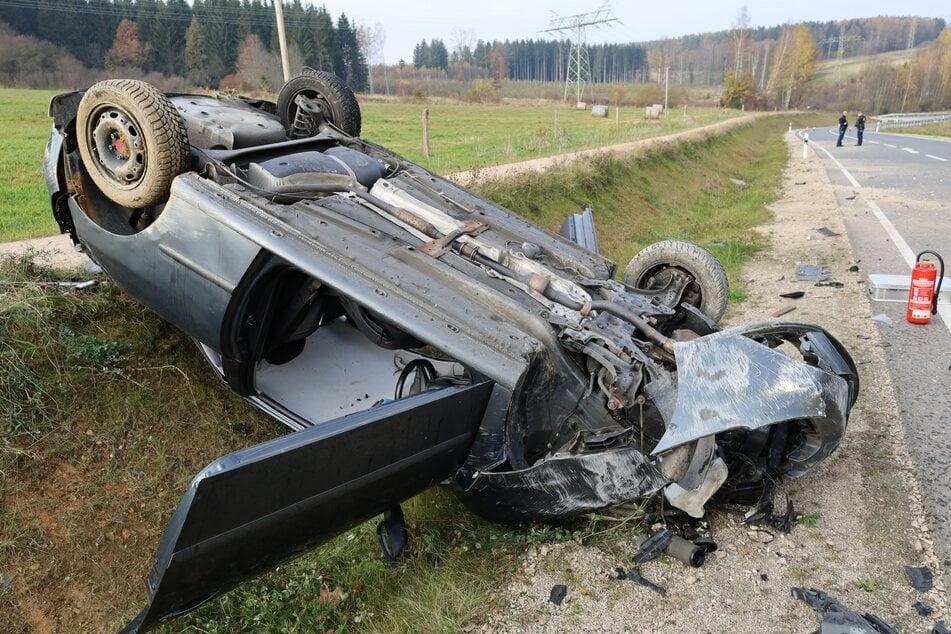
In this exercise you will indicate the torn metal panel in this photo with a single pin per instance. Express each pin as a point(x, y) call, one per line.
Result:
point(562, 485)
point(718, 373)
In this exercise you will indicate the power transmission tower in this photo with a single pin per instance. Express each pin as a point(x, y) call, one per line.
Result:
point(574, 26)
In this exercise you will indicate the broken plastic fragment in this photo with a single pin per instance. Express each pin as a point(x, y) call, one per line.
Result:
point(883, 318)
point(838, 618)
point(920, 577)
point(652, 547)
point(923, 609)
point(793, 294)
point(558, 594)
point(940, 628)
point(635, 575)
point(812, 273)
point(826, 231)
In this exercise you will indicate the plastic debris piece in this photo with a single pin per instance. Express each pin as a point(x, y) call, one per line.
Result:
point(923, 609)
point(635, 575)
point(940, 628)
point(738, 181)
point(558, 594)
point(826, 231)
point(839, 619)
point(782, 311)
point(716, 243)
point(863, 337)
point(850, 197)
point(830, 284)
point(920, 577)
point(854, 268)
point(812, 273)
point(885, 319)
point(706, 543)
point(800, 182)
point(793, 294)
point(652, 547)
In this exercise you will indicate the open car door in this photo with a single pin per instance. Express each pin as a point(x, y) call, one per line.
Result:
point(250, 510)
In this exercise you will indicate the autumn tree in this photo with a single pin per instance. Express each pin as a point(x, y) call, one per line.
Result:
point(793, 63)
point(127, 49)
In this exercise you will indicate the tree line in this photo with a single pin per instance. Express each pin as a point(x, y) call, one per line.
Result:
point(201, 40)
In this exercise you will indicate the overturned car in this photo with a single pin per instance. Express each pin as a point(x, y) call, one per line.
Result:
point(411, 332)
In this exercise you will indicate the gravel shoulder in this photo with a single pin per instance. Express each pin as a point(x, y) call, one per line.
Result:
point(864, 519)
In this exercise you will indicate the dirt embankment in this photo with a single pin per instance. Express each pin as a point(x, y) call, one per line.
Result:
point(861, 520)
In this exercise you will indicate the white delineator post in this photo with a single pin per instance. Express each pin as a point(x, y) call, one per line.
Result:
point(805, 145)
point(790, 127)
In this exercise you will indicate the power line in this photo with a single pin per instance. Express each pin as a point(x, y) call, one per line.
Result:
point(579, 71)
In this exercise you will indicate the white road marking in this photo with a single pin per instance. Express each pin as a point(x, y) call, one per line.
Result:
point(904, 250)
point(875, 142)
point(849, 176)
point(910, 151)
point(890, 145)
point(937, 158)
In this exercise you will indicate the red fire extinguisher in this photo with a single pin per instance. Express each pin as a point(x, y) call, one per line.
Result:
point(923, 293)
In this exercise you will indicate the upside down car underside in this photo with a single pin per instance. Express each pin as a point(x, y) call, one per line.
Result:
point(317, 270)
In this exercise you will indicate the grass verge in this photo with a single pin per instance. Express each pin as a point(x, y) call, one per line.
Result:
point(932, 129)
point(107, 413)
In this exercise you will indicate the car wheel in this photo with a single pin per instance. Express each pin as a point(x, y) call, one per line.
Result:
point(651, 269)
point(132, 141)
point(337, 104)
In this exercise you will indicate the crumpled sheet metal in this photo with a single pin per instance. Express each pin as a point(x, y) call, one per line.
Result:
point(563, 485)
point(728, 381)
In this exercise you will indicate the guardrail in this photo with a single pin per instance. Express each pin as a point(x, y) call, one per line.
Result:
point(904, 120)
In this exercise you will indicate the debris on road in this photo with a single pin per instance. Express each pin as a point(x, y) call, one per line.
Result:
point(812, 273)
point(838, 618)
point(558, 594)
point(793, 294)
point(921, 577)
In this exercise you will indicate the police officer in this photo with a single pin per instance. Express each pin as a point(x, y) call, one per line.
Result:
point(843, 126)
point(860, 127)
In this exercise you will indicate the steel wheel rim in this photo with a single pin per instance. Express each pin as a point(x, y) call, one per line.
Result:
point(117, 146)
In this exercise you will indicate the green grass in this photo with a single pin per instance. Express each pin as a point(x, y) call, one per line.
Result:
point(834, 71)
point(24, 128)
point(467, 136)
point(932, 129)
point(462, 136)
point(108, 411)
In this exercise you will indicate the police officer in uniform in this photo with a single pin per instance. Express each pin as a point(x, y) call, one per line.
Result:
point(860, 127)
point(843, 126)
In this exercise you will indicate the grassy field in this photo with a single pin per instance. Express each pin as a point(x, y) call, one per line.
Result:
point(834, 71)
point(462, 136)
point(108, 412)
point(932, 129)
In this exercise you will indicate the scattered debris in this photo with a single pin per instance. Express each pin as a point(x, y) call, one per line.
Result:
point(854, 267)
point(863, 337)
point(652, 547)
point(923, 609)
point(717, 243)
point(635, 575)
point(826, 231)
point(91, 267)
point(838, 618)
point(920, 577)
point(558, 594)
point(800, 183)
point(852, 197)
point(793, 294)
point(812, 273)
point(940, 628)
point(737, 181)
point(782, 311)
point(883, 318)
point(241, 428)
point(830, 284)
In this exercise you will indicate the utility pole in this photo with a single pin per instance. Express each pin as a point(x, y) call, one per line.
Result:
point(666, 83)
point(282, 38)
point(574, 25)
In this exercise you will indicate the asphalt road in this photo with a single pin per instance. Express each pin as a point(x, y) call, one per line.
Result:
point(896, 199)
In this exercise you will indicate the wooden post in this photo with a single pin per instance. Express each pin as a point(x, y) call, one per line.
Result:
point(556, 125)
point(617, 118)
point(425, 131)
point(282, 39)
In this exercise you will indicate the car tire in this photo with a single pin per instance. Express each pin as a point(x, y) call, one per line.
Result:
point(337, 103)
point(710, 290)
point(132, 141)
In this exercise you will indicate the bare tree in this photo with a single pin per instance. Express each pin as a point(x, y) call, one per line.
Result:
point(372, 41)
point(741, 33)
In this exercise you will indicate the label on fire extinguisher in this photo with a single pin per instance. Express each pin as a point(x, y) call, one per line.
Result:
point(920, 314)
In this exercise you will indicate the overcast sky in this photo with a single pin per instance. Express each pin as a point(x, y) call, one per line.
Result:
point(407, 22)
